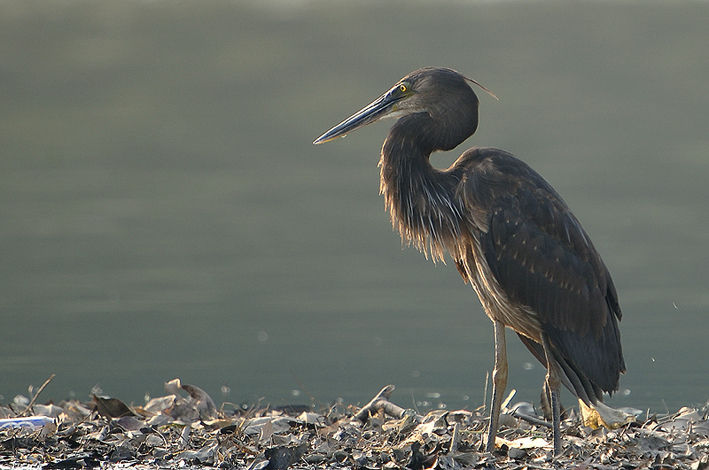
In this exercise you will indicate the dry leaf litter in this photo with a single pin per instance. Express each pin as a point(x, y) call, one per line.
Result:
point(185, 429)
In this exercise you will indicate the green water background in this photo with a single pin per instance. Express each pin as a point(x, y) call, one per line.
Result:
point(164, 213)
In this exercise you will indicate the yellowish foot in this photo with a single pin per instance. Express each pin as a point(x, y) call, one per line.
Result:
point(603, 415)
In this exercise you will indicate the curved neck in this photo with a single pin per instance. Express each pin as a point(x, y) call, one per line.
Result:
point(419, 198)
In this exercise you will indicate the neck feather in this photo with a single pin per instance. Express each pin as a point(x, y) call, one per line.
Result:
point(420, 199)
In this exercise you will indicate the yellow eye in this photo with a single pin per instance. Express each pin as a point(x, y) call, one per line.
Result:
point(402, 88)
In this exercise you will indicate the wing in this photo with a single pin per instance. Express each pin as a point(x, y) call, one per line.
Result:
point(543, 259)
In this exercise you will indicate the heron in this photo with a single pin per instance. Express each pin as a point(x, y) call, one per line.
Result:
point(510, 234)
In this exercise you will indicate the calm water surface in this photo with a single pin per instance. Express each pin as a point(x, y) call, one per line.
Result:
point(164, 213)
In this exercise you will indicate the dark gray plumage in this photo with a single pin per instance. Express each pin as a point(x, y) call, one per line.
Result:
point(511, 236)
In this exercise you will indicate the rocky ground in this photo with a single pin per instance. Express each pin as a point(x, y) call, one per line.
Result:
point(185, 429)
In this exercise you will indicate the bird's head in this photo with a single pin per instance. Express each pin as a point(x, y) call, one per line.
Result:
point(432, 90)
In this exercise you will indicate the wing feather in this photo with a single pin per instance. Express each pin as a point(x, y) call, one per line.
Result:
point(543, 260)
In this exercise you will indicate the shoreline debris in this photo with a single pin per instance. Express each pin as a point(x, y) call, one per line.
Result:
point(186, 429)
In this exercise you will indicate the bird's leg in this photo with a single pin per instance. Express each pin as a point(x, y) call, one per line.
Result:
point(545, 398)
point(552, 388)
point(499, 382)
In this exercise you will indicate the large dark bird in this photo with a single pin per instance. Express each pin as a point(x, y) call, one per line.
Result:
point(511, 236)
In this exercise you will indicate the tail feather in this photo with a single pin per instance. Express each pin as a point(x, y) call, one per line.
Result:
point(572, 378)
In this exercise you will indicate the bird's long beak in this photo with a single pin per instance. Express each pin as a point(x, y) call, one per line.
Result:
point(377, 109)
